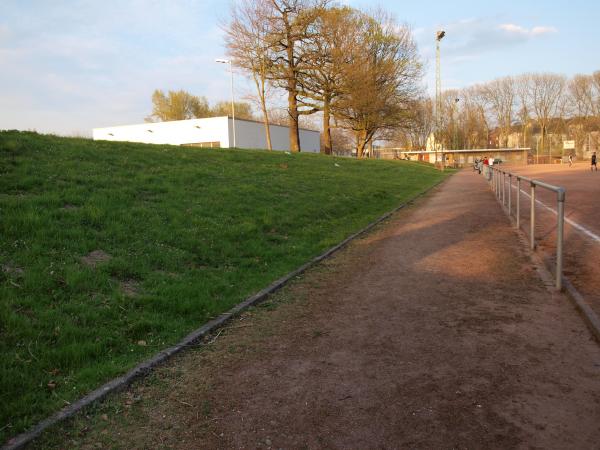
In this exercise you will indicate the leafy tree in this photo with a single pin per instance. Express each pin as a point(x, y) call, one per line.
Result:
point(380, 81)
point(246, 38)
point(176, 105)
point(243, 110)
point(326, 58)
point(290, 24)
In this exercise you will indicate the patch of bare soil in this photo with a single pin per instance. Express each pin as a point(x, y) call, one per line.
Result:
point(130, 287)
point(435, 331)
point(94, 258)
point(11, 269)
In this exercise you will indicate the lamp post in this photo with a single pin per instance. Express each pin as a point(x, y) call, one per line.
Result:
point(439, 35)
point(228, 61)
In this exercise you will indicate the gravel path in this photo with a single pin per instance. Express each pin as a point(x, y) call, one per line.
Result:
point(435, 331)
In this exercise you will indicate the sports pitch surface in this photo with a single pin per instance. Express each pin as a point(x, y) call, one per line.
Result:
point(582, 209)
point(434, 331)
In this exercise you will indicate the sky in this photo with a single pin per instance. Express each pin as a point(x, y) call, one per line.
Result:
point(69, 66)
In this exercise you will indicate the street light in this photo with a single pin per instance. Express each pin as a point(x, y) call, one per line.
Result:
point(228, 61)
point(439, 35)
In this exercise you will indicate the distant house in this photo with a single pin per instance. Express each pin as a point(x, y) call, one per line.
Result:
point(211, 132)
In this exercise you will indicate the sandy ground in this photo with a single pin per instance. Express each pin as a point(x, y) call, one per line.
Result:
point(582, 253)
point(435, 331)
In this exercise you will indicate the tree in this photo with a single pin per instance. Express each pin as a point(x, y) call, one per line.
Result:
point(581, 93)
point(321, 83)
point(500, 96)
point(246, 38)
point(422, 124)
point(177, 105)
point(596, 95)
point(473, 120)
point(290, 24)
point(524, 101)
point(546, 95)
point(380, 82)
point(581, 96)
point(243, 110)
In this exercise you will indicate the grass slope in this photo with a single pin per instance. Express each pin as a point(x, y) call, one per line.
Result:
point(189, 234)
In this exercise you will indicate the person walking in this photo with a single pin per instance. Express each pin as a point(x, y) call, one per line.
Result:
point(594, 166)
point(486, 168)
point(570, 160)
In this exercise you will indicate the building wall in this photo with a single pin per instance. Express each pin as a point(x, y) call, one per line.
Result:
point(209, 132)
point(178, 132)
point(251, 134)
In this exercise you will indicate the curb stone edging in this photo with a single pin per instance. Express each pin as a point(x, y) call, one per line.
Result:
point(146, 367)
point(589, 316)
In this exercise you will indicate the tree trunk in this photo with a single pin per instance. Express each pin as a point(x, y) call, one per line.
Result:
point(292, 89)
point(543, 129)
point(326, 128)
point(260, 87)
point(266, 123)
point(293, 123)
point(361, 143)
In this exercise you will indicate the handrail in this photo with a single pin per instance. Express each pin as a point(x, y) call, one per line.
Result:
point(497, 180)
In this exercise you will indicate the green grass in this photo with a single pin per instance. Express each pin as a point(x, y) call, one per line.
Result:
point(193, 232)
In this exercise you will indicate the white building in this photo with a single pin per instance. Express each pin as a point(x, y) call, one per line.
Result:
point(210, 132)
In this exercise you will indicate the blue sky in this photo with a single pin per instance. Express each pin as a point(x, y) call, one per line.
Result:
point(69, 66)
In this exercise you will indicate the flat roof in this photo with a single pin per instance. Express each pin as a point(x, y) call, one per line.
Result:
point(203, 118)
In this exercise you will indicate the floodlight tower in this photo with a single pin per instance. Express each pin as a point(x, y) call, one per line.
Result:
point(439, 35)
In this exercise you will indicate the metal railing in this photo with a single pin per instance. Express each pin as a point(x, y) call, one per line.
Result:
point(498, 181)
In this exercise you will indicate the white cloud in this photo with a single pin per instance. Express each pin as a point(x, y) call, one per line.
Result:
point(71, 68)
point(514, 29)
point(471, 37)
point(543, 30)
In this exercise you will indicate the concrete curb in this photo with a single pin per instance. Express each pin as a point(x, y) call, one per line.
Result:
point(144, 368)
point(589, 316)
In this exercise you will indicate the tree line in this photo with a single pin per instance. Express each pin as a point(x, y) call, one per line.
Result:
point(359, 70)
point(181, 105)
point(543, 103)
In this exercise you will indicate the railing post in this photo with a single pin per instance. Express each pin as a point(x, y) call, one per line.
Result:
point(532, 217)
point(559, 237)
point(498, 192)
point(497, 183)
point(509, 194)
point(503, 188)
point(518, 203)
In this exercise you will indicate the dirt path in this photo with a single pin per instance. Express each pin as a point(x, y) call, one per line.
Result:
point(433, 332)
